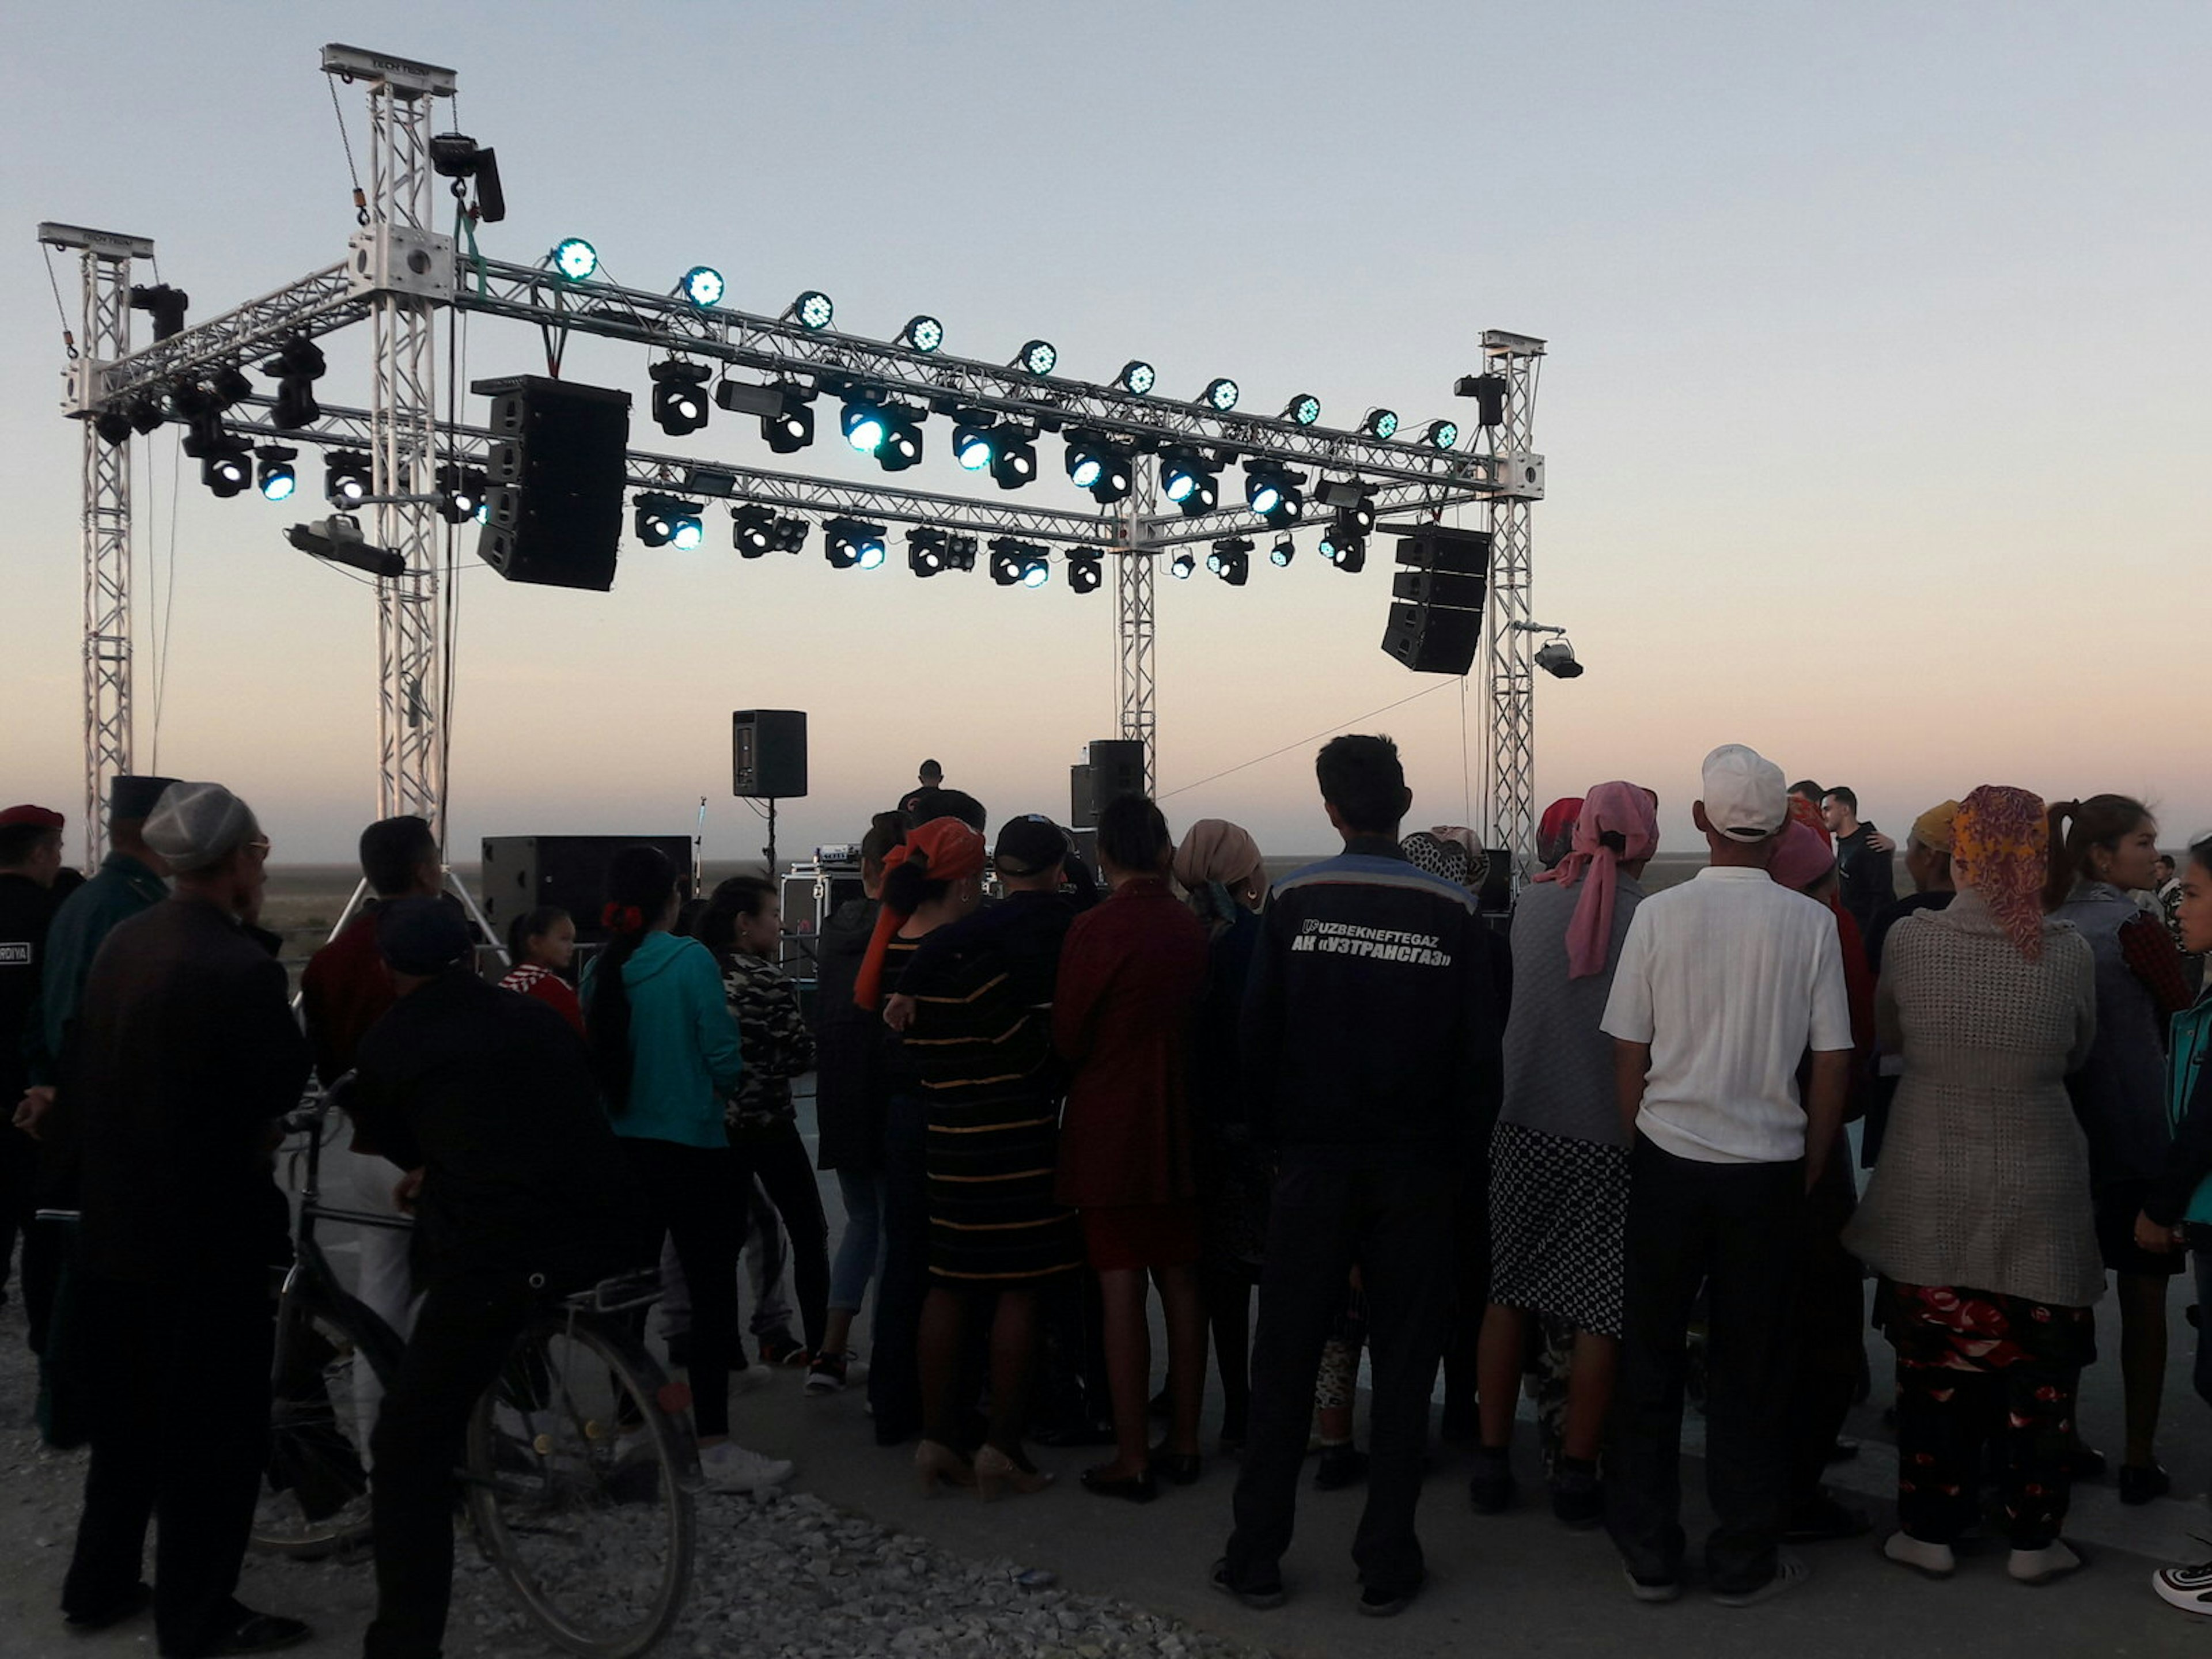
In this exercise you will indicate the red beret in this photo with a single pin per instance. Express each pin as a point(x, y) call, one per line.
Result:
point(15, 816)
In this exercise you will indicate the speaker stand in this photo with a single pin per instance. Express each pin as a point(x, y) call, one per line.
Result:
point(771, 841)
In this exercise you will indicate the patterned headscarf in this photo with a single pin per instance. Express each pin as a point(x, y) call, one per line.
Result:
point(948, 850)
point(1999, 847)
point(1620, 810)
point(1425, 850)
point(1555, 830)
point(1933, 827)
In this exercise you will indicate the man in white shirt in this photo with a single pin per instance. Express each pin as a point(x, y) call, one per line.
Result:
point(1724, 984)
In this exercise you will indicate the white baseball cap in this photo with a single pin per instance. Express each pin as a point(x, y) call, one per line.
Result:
point(1744, 796)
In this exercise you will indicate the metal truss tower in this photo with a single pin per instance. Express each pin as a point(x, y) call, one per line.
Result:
point(408, 269)
point(1136, 568)
point(106, 259)
point(1509, 666)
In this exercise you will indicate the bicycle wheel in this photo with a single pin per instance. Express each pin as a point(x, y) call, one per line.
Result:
point(314, 1494)
point(579, 1476)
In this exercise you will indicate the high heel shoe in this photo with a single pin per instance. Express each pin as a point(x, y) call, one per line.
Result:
point(996, 1472)
point(1136, 1488)
point(933, 1464)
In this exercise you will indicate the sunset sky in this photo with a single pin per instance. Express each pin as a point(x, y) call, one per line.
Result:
point(1876, 417)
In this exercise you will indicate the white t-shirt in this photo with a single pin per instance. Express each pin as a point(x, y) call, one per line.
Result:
point(1730, 979)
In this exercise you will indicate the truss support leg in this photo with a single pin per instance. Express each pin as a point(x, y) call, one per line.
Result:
point(106, 535)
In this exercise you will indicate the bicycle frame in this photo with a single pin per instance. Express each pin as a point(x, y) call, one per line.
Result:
point(311, 1272)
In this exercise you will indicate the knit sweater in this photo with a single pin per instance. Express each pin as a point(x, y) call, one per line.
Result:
point(1984, 1180)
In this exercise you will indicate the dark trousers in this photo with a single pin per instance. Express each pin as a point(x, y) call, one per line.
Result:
point(893, 1368)
point(463, 1335)
point(1831, 1327)
point(779, 1159)
point(1735, 1229)
point(19, 1187)
point(1944, 1417)
point(694, 1194)
point(180, 1437)
point(1389, 1212)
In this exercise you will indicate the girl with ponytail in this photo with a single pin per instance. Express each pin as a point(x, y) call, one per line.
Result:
point(2101, 849)
point(665, 1050)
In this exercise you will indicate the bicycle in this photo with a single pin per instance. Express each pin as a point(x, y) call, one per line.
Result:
point(580, 1466)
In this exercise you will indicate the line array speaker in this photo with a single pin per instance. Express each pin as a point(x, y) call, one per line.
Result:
point(1436, 623)
point(553, 507)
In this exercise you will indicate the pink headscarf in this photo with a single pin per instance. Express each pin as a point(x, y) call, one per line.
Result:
point(1617, 809)
point(1806, 852)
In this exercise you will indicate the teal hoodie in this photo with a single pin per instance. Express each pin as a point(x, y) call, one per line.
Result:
point(683, 1046)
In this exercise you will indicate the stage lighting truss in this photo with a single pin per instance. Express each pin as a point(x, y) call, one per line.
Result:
point(853, 544)
point(1086, 572)
point(1271, 491)
point(346, 478)
point(668, 521)
point(1017, 563)
point(679, 396)
point(1189, 480)
point(1231, 559)
point(1098, 464)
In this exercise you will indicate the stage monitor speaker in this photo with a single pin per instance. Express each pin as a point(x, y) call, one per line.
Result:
point(1439, 587)
point(1432, 640)
point(521, 873)
point(768, 751)
point(557, 471)
point(1112, 768)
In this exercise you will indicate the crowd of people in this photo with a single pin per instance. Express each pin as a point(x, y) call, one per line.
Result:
point(1600, 1149)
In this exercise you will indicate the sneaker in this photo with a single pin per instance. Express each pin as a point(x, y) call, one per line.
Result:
point(1339, 1466)
point(826, 1374)
point(2189, 1589)
point(1821, 1519)
point(1261, 1597)
point(782, 1350)
point(1491, 1489)
point(1790, 1571)
point(1577, 1497)
point(1654, 1590)
point(730, 1467)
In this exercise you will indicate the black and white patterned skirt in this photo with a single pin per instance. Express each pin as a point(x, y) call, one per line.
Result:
point(1557, 1210)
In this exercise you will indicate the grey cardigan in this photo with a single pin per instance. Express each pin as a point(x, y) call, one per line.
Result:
point(1983, 1179)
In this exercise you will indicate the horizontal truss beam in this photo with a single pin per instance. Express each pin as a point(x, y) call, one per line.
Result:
point(318, 303)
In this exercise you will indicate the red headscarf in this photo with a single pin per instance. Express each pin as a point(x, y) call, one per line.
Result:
point(2001, 848)
point(1806, 852)
point(1555, 830)
point(946, 850)
point(1619, 809)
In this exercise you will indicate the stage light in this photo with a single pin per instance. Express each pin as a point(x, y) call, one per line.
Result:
point(1086, 572)
point(574, 259)
point(1188, 481)
point(225, 469)
point(1304, 409)
point(1231, 561)
point(925, 551)
point(1343, 544)
point(791, 428)
point(1014, 458)
point(973, 447)
point(922, 333)
point(1182, 564)
point(901, 446)
point(1136, 377)
point(298, 364)
point(668, 521)
point(1489, 392)
point(811, 311)
point(114, 424)
point(1350, 555)
point(1037, 356)
point(165, 304)
point(1271, 491)
point(1220, 395)
point(1284, 550)
point(1100, 465)
point(679, 396)
point(703, 287)
point(1440, 434)
point(145, 411)
point(228, 386)
point(1558, 660)
point(191, 401)
point(277, 477)
point(1381, 423)
point(791, 535)
point(752, 531)
point(851, 544)
point(1017, 563)
point(460, 493)
point(864, 424)
point(339, 539)
point(1353, 502)
point(346, 477)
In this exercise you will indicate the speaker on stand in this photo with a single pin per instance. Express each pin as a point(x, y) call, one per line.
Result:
point(768, 761)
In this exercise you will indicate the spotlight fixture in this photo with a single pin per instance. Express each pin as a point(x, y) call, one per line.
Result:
point(1017, 563)
point(225, 469)
point(228, 386)
point(900, 446)
point(1136, 378)
point(702, 286)
point(460, 493)
point(1558, 659)
point(790, 427)
point(1489, 392)
point(1037, 357)
point(346, 477)
point(1086, 572)
point(811, 311)
point(679, 396)
point(1350, 555)
point(752, 531)
point(1284, 550)
point(1231, 561)
point(145, 412)
point(790, 536)
point(298, 364)
point(1304, 409)
point(278, 477)
point(1220, 395)
point(165, 305)
point(925, 551)
point(1440, 434)
point(974, 443)
point(1013, 457)
point(959, 552)
point(1353, 503)
point(574, 259)
point(922, 333)
point(191, 400)
point(1381, 423)
point(1098, 464)
point(1182, 564)
point(1270, 489)
point(1188, 480)
point(851, 544)
point(668, 521)
point(864, 424)
point(112, 423)
point(339, 539)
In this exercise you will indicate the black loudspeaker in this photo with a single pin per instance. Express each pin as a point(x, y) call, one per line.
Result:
point(1112, 768)
point(767, 754)
point(1435, 627)
point(521, 873)
point(555, 470)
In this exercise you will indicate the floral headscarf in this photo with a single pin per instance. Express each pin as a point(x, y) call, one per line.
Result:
point(2000, 846)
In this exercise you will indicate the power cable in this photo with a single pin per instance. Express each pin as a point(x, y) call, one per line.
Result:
point(1300, 743)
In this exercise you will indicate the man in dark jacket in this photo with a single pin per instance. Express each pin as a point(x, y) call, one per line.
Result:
point(1863, 858)
point(180, 1060)
point(484, 1099)
point(30, 859)
point(1372, 1038)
